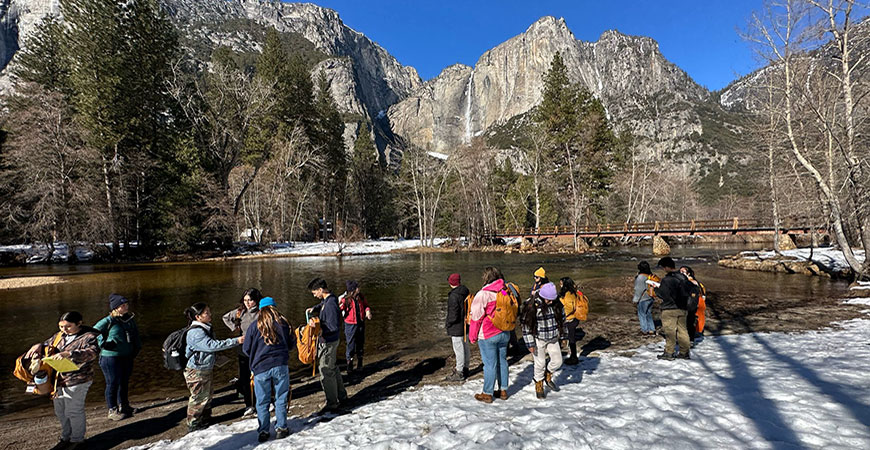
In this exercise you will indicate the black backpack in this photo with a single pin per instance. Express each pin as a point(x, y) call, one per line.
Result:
point(174, 349)
point(694, 295)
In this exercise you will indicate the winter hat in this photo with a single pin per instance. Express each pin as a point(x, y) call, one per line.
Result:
point(454, 279)
point(541, 273)
point(116, 300)
point(548, 291)
point(351, 285)
point(266, 301)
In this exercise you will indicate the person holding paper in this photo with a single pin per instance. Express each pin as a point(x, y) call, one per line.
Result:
point(78, 344)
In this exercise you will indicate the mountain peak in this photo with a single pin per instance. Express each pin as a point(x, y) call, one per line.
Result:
point(548, 21)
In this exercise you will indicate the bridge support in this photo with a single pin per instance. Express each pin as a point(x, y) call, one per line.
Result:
point(660, 246)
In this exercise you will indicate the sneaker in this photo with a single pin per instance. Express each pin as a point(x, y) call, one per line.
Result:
point(115, 415)
point(61, 445)
point(281, 433)
point(666, 356)
point(455, 376)
point(249, 412)
point(263, 437)
point(485, 398)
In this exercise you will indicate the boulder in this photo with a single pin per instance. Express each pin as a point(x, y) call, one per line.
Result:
point(660, 246)
point(786, 242)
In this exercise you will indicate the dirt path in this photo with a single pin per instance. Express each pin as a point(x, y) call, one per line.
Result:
point(156, 420)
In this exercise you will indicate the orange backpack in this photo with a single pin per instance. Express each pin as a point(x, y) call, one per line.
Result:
point(650, 289)
point(22, 367)
point(306, 342)
point(506, 308)
point(581, 308)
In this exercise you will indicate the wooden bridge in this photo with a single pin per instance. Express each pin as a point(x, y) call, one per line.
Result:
point(721, 227)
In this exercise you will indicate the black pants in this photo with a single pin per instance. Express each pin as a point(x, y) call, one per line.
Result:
point(356, 340)
point(243, 385)
point(691, 328)
point(575, 333)
point(117, 371)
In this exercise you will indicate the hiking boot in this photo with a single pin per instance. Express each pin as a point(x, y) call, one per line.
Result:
point(263, 436)
point(455, 376)
point(666, 356)
point(359, 364)
point(485, 398)
point(550, 383)
point(465, 373)
point(281, 433)
point(61, 445)
point(196, 427)
point(572, 361)
point(249, 412)
point(539, 389)
point(76, 446)
point(115, 415)
point(500, 394)
point(683, 356)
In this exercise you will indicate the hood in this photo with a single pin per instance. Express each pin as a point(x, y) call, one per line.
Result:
point(495, 286)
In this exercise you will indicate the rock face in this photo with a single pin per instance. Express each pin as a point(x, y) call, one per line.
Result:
point(637, 85)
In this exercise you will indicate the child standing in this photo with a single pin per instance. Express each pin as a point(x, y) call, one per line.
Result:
point(543, 325)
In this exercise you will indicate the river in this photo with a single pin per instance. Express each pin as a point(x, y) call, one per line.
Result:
point(407, 294)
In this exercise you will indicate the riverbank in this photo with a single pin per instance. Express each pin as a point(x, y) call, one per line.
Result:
point(161, 418)
point(826, 262)
point(750, 390)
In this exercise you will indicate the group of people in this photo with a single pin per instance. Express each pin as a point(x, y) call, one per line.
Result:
point(264, 341)
point(683, 306)
point(547, 317)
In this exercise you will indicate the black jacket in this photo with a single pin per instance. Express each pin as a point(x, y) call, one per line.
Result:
point(455, 322)
point(674, 291)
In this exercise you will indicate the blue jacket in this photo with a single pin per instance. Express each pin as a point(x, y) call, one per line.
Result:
point(263, 356)
point(330, 319)
point(201, 346)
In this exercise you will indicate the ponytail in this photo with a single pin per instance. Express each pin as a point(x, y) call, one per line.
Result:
point(194, 310)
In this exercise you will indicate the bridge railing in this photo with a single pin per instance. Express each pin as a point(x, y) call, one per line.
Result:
point(734, 223)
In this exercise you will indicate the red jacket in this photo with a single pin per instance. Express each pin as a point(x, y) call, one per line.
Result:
point(353, 307)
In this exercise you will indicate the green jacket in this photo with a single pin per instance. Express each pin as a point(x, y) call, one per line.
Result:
point(119, 336)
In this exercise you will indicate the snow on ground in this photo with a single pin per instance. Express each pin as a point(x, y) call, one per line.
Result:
point(39, 253)
point(828, 256)
point(861, 285)
point(758, 391)
point(349, 248)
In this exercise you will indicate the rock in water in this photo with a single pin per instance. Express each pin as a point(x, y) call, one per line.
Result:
point(660, 246)
point(786, 243)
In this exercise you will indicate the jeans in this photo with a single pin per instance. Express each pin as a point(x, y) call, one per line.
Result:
point(462, 352)
point(493, 352)
point(69, 407)
point(279, 377)
point(356, 339)
point(330, 377)
point(117, 371)
point(644, 314)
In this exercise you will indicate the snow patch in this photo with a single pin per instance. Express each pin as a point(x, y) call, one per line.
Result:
point(437, 155)
point(827, 256)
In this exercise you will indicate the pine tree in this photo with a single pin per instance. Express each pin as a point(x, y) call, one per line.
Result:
point(330, 131)
point(42, 60)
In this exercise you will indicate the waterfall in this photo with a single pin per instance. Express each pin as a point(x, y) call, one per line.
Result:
point(469, 94)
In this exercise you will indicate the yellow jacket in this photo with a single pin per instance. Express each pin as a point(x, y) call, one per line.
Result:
point(569, 302)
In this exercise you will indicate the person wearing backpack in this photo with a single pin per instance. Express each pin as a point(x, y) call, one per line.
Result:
point(643, 299)
point(697, 305)
point(199, 350)
point(540, 277)
point(78, 343)
point(327, 345)
point(674, 294)
point(267, 345)
point(543, 325)
point(238, 320)
point(455, 324)
point(492, 341)
point(568, 296)
point(119, 342)
point(355, 310)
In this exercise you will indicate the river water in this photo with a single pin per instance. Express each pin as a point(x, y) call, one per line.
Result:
point(407, 293)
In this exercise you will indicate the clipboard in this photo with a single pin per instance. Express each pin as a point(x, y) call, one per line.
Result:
point(61, 365)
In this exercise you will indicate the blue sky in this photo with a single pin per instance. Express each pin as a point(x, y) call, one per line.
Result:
point(700, 36)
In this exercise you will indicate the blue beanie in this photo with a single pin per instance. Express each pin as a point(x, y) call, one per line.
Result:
point(266, 301)
point(116, 300)
point(548, 291)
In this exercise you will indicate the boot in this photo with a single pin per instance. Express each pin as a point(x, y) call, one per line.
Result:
point(539, 389)
point(455, 376)
point(359, 363)
point(572, 360)
point(549, 377)
point(350, 366)
point(485, 398)
point(465, 373)
point(500, 394)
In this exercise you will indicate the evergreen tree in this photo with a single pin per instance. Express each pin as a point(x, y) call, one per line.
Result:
point(42, 60)
point(330, 133)
point(372, 193)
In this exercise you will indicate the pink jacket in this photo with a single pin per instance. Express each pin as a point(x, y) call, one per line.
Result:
point(482, 307)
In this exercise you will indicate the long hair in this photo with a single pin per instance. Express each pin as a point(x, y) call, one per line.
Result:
point(268, 322)
point(567, 286)
point(194, 310)
point(255, 295)
point(689, 271)
point(491, 274)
